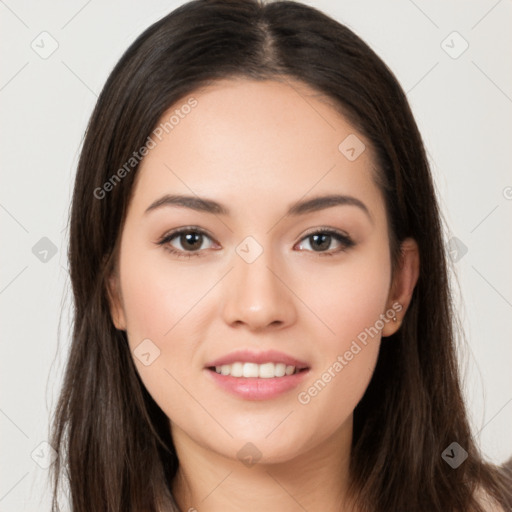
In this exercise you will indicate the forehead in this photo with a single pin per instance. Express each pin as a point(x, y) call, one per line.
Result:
point(249, 142)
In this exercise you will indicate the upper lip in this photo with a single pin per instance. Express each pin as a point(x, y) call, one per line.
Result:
point(249, 356)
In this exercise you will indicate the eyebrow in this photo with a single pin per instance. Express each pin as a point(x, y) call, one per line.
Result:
point(300, 207)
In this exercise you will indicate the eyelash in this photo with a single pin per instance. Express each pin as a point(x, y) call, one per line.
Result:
point(342, 238)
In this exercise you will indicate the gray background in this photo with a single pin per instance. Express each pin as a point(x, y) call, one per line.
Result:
point(461, 101)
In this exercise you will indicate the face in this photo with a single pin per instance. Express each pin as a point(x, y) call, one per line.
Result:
point(257, 272)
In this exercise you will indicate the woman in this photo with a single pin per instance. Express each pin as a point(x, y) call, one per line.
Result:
point(262, 312)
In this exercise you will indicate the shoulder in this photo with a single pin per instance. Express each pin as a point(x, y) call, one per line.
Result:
point(488, 503)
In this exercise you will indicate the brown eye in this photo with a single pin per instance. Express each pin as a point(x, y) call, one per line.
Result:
point(321, 241)
point(191, 241)
point(186, 242)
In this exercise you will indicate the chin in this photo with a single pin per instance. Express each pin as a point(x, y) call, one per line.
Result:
point(261, 449)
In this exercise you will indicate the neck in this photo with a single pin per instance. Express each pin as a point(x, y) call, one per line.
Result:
point(314, 480)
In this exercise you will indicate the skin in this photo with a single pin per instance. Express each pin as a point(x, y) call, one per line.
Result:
point(257, 147)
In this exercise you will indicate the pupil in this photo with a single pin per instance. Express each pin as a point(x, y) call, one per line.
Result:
point(191, 239)
point(325, 241)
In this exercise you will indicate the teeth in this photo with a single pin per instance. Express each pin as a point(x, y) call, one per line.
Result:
point(263, 371)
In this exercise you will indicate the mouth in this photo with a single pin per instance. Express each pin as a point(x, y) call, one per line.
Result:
point(270, 370)
point(257, 376)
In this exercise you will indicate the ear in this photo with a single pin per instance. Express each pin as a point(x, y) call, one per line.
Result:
point(116, 303)
point(403, 284)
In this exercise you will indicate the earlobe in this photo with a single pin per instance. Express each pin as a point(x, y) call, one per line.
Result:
point(404, 281)
point(115, 304)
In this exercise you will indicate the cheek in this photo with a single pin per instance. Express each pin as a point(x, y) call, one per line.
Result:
point(347, 360)
point(332, 394)
point(157, 297)
point(162, 309)
point(351, 299)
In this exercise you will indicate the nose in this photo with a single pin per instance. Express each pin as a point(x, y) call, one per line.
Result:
point(257, 295)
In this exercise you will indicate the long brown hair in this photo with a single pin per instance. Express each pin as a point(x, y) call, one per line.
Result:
point(115, 449)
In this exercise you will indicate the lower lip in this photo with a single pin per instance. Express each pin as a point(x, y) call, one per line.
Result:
point(254, 388)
